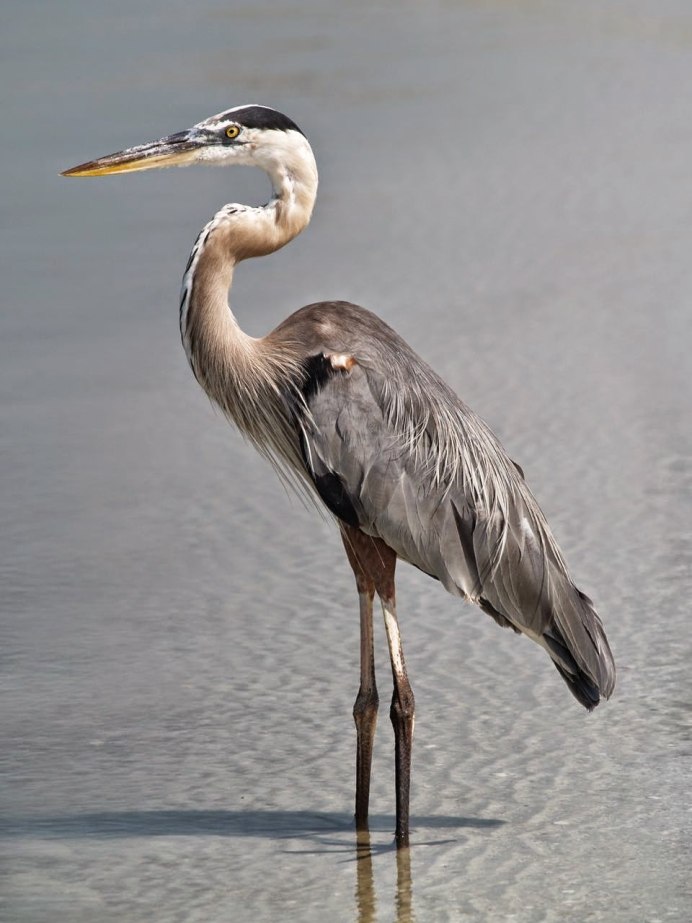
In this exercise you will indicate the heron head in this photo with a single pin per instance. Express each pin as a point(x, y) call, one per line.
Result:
point(251, 135)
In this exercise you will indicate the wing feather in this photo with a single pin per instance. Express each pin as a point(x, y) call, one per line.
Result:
point(428, 478)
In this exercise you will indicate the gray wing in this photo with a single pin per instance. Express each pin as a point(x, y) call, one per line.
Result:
point(398, 455)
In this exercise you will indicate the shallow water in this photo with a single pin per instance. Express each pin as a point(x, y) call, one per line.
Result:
point(507, 184)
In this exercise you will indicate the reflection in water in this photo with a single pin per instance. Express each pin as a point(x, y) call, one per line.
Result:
point(365, 883)
point(404, 887)
point(366, 900)
point(304, 833)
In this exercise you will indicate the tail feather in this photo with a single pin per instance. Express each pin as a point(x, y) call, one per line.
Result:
point(581, 687)
point(578, 647)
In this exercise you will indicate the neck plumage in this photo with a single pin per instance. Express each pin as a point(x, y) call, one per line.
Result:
point(239, 372)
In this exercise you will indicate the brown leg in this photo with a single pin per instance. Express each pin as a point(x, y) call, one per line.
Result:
point(373, 563)
point(402, 714)
point(367, 700)
point(365, 711)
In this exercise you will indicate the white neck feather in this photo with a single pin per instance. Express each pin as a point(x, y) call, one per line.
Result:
point(230, 365)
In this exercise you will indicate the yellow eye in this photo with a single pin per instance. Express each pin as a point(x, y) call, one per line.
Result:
point(232, 131)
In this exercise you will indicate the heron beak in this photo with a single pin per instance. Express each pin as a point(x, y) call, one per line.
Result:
point(177, 150)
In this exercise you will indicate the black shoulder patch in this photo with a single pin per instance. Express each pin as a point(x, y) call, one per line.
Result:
point(331, 489)
point(318, 370)
point(261, 117)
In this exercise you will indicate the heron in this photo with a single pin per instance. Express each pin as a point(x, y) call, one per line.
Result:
point(348, 413)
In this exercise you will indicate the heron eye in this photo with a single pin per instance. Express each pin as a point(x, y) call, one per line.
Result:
point(232, 131)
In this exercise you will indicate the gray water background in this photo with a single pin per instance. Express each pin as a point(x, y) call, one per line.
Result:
point(510, 186)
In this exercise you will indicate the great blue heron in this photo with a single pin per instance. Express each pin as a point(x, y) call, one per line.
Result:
point(343, 406)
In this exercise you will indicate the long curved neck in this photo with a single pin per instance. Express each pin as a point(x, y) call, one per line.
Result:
point(220, 354)
point(238, 372)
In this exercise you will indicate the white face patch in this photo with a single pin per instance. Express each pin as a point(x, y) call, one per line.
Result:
point(213, 155)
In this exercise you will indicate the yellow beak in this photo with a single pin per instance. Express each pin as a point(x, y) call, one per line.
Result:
point(177, 150)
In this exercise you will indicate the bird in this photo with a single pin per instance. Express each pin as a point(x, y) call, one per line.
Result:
point(350, 415)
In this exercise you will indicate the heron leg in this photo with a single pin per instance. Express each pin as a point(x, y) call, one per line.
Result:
point(365, 711)
point(373, 563)
point(367, 700)
point(402, 714)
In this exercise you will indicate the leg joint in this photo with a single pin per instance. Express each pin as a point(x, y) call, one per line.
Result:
point(403, 707)
point(366, 704)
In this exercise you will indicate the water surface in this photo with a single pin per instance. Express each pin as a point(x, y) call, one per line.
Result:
point(509, 185)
